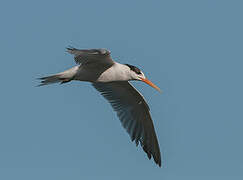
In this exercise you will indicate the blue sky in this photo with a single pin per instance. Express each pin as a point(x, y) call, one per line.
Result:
point(191, 49)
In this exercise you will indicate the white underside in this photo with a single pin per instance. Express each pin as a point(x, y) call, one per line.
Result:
point(117, 72)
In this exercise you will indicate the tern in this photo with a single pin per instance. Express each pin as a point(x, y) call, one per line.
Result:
point(111, 79)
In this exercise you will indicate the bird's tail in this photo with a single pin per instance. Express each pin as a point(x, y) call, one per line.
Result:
point(62, 77)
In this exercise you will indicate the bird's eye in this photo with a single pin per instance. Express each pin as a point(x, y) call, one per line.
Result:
point(137, 71)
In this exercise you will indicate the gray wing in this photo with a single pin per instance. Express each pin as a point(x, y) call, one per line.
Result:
point(133, 111)
point(90, 56)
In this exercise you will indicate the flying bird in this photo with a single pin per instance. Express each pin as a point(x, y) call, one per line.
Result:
point(111, 79)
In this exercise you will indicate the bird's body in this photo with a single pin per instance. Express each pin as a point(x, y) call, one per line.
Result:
point(111, 80)
point(116, 72)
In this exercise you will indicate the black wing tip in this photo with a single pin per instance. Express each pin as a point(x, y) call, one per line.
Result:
point(157, 160)
point(156, 156)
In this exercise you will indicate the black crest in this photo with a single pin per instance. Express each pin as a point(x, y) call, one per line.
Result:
point(134, 68)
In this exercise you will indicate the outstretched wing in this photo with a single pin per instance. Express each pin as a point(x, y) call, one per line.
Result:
point(90, 56)
point(133, 111)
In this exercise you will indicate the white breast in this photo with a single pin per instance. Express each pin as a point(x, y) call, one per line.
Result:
point(117, 72)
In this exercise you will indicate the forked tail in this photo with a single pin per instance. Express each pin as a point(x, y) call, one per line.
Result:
point(62, 77)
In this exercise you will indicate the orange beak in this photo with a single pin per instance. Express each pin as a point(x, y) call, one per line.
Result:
point(151, 84)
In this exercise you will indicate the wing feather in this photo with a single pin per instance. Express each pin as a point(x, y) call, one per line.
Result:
point(89, 56)
point(133, 112)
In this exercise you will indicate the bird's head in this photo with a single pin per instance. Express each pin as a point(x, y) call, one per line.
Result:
point(137, 74)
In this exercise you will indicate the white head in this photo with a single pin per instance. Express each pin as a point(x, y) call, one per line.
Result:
point(137, 74)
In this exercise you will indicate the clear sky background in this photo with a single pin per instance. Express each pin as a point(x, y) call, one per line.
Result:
point(191, 49)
